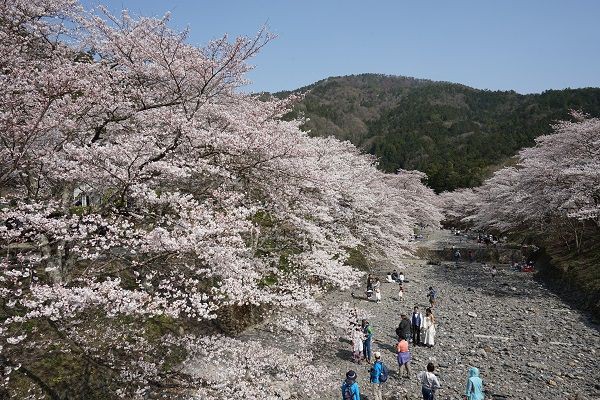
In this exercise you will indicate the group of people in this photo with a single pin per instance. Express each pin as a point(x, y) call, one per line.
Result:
point(428, 380)
point(373, 287)
point(487, 239)
point(419, 330)
point(418, 327)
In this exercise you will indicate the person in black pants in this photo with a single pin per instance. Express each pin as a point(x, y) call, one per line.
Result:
point(403, 330)
point(416, 321)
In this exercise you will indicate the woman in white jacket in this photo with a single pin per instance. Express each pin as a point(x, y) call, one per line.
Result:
point(429, 328)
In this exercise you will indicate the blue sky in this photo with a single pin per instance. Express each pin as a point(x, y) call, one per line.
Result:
point(527, 45)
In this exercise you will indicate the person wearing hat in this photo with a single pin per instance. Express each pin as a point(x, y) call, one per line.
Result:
point(375, 374)
point(350, 390)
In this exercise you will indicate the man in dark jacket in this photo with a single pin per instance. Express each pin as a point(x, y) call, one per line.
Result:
point(403, 329)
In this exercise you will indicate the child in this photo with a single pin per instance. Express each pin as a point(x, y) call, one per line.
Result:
point(401, 293)
point(378, 295)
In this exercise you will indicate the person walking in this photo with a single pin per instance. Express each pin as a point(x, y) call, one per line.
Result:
point(368, 332)
point(376, 372)
point(429, 328)
point(378, 295)
point(403, 329)
point(431, 295)
point(403, 356)
point(429, 382)
point(416, 324)
point(456, 256)
point(350, 389)
point(474, 389)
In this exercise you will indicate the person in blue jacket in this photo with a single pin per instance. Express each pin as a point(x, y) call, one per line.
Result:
point(375, 374)
point(474, 385)
point(350, 390)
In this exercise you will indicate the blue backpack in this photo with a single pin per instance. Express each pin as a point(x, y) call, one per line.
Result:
point(348, 393)
point(384, 374)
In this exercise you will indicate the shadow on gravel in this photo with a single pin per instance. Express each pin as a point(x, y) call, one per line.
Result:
point(344, 354)
point(344, 340)
point(386, 346)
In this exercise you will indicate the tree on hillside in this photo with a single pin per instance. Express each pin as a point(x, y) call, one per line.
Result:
point(554, 189)
point(147, 205)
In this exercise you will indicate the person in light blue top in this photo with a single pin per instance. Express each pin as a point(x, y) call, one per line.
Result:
point(474, 385)
point(350, 390)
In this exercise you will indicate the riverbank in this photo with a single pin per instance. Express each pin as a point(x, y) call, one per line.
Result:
point(527, 342)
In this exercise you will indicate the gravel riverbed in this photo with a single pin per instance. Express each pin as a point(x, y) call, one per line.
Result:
point(527, 343)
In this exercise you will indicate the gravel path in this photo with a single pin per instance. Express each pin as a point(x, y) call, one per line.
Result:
point(527, 343)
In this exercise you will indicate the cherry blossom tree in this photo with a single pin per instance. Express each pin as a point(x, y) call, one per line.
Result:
point(146, 201)
point(554, 189)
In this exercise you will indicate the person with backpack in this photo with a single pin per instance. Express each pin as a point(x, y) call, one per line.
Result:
point(474, 385)
point(350, 389)
point(379, 374)
point(429, 382)
point(368, 332)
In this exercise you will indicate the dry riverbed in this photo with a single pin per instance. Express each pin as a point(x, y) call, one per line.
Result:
point(527, 343)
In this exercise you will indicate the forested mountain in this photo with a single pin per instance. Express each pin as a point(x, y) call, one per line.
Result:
point(454, 133)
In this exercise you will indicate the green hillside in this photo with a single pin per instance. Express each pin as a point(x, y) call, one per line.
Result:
point(454, 133)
